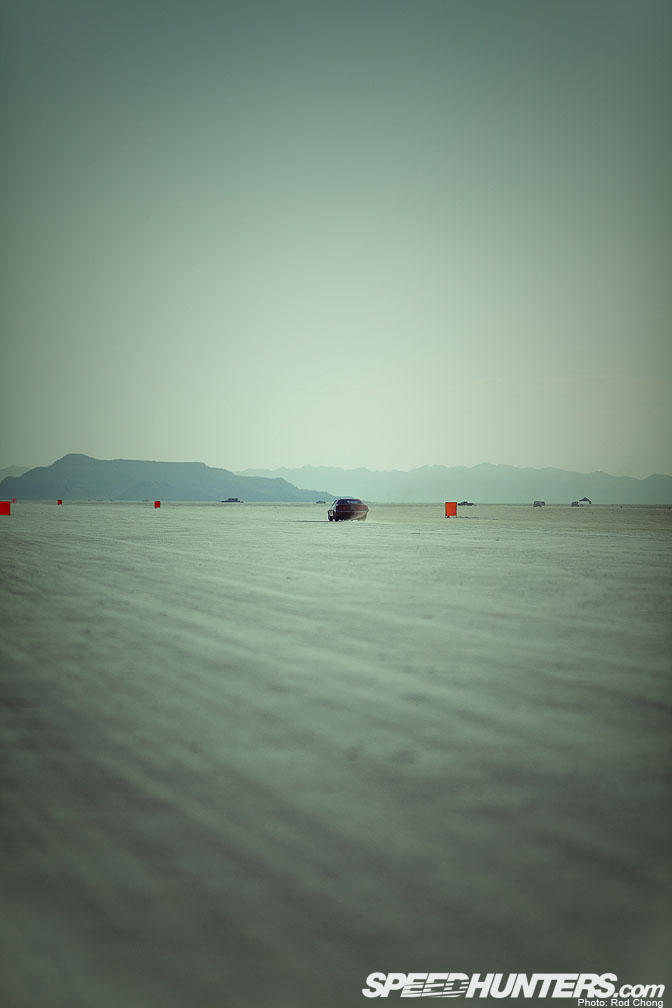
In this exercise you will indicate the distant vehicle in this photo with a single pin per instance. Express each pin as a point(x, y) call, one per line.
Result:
point(232, 500)
point(539, 504)
point(466, 504)
point(347, 508)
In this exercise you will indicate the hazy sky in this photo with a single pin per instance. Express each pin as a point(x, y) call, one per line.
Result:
point(385, 233)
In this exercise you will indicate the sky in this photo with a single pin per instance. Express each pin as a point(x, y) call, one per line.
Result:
point(383, 233)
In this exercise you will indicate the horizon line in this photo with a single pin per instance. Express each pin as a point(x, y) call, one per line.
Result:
point(267, 469)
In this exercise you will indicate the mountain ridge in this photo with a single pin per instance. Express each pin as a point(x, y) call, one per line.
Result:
point(13, 470)
point(487, 483)
point(81, 477)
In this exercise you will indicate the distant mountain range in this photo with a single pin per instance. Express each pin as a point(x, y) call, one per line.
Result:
point(485, 484)
point(13, 471)
point(79, 477)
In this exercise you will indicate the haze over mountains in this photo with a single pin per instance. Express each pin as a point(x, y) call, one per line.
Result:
point(486, 484)
point(80, 477)
point(13, 471)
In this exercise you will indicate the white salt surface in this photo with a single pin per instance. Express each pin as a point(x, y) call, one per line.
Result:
point(252, 756)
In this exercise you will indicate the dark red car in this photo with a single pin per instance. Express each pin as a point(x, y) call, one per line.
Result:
point(346, 508)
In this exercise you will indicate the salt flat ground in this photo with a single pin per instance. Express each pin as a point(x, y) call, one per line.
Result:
point(252, 756)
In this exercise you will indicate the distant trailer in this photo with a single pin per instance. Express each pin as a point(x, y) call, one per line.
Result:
point(539, 504)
